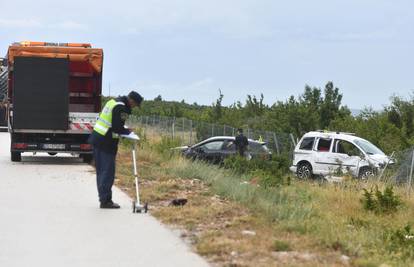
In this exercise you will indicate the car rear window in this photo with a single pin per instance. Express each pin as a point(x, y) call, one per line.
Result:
point(307, 143)
point(257, 147)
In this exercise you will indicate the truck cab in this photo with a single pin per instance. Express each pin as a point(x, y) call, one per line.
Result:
point(53, 97)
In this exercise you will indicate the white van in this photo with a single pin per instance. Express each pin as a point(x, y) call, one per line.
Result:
point(325, 153)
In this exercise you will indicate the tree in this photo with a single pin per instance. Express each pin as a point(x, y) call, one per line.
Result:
point(217, 108)
point(330, 106)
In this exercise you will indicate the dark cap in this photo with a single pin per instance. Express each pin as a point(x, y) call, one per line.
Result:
point(136, 97)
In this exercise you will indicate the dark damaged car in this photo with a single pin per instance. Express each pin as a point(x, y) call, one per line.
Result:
point(216, 149)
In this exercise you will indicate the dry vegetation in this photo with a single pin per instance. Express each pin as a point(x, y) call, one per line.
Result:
point(234, 222)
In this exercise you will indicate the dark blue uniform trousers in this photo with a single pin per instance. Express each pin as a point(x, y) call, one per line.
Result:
point(105, 173)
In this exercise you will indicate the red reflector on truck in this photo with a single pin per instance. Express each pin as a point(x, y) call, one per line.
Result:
point(86, 147)
point(19, 145)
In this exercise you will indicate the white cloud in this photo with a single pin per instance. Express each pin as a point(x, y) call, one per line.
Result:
point(69, 25)
point(377, 35)
point(22, 24)
point(19, 23)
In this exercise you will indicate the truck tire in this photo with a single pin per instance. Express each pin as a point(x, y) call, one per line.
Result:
point(16, 156)
point(86, 158)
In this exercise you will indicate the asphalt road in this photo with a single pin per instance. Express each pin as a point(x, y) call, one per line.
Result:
point(49, 216)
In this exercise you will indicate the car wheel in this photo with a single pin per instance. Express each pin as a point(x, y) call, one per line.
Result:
point(52, 153)
point(304, 171)
point(366, 172)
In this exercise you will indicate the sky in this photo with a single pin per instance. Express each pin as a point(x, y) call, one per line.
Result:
point(189, 49)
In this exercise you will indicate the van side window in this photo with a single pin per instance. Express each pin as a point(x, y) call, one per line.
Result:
point(324, 144)
point(307, 143)
point(345, 147)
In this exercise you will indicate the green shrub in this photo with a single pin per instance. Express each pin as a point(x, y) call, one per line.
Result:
point(270, 172)
point(381, 202)
point(401, 242)
point(238, 164)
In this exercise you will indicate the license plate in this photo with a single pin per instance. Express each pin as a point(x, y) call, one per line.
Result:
point(54, 146)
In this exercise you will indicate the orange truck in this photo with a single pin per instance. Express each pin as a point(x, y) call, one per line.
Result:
point(52, 93)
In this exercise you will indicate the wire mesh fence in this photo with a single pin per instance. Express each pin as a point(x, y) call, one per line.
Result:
point(404, 167)
point(190, 132)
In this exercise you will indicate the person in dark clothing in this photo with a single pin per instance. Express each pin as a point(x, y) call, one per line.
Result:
point(241, 142)
point(105, 137)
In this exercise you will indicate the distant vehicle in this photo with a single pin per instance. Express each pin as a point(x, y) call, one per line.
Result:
point(216, 149)
point(325, 153)
point(52, 92)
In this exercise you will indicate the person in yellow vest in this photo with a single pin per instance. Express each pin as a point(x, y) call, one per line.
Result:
point(104, 138)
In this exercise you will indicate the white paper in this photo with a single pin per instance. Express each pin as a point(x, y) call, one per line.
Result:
point(131, 136)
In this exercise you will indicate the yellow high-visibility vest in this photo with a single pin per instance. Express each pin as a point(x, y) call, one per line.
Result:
point(104, 121)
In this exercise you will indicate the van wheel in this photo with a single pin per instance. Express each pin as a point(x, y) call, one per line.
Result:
point(365, 173)
point(304, 171)
point(16, 156)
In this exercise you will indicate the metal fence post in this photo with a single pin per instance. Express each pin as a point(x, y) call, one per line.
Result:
point(173, 128)
point(191, 132)
point(224, 129)
point(276, 143)
point(411, 173)
point(182, 141)
point(293, 140)
point(212, 130)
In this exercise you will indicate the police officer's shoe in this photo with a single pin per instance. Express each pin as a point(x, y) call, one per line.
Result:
point(109, 205)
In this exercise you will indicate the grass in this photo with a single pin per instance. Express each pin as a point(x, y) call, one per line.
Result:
point(305, 223)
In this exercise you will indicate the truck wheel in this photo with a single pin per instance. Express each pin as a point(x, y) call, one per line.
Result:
point(86, 158)
point(16, 156)
point(304, 171)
